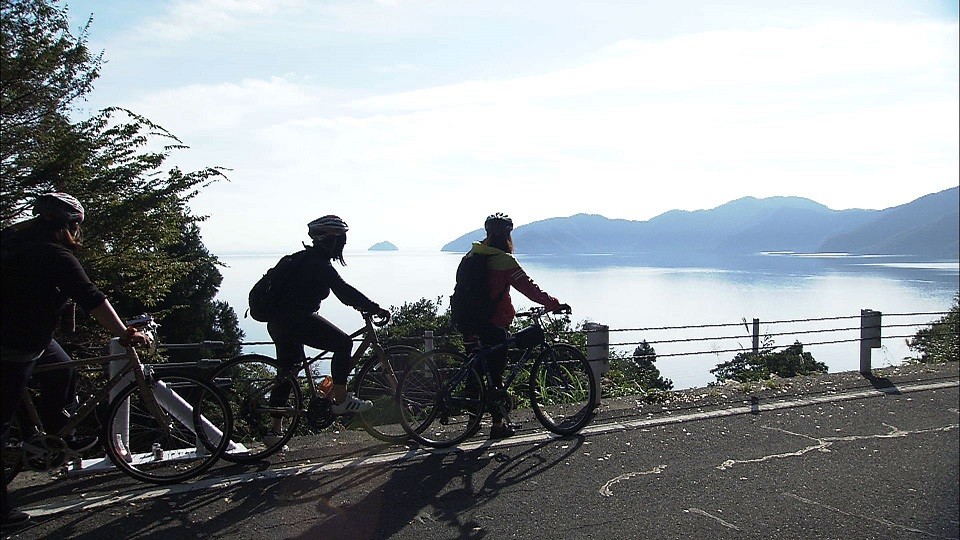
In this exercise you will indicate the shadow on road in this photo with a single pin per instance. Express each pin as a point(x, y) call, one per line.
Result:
point(444, 488)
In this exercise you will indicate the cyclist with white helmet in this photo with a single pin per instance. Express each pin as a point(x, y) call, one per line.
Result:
point(309, 278)
point(504, 272)
point(41, 275)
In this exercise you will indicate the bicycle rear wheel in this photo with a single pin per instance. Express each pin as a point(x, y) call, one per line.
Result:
point(248, 381)
point(441, 399)
point(189, 441)
point(562, 390)
point(374, 383)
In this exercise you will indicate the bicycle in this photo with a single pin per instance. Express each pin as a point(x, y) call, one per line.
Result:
point(160, 429)
point(443, 394)
point(250, 379)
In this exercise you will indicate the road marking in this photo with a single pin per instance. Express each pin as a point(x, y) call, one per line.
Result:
point(139, 494)
point(709, 515)
point(859, 516)
point(605, 490)
point(824, 443)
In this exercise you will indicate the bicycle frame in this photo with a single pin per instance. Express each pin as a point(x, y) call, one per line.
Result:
point(152, 431)
point(369, 341)
point(132, 365)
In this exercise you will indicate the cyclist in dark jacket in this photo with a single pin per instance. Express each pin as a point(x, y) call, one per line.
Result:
point(309, 280)
point(41, 275)
point(505, 272)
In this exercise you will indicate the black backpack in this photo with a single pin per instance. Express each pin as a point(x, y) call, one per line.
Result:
point(265, 296)
point(470, 304)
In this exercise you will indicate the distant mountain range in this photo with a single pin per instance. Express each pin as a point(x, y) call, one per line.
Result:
point(926, 227)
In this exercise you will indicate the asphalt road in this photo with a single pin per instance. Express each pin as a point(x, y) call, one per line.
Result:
point(839, 457)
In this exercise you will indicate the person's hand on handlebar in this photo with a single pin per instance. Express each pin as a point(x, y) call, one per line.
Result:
point(564, 309)
point(136, 338)
point(383, 315)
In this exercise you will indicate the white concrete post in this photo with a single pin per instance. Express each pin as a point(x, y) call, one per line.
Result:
point(598, 350)
point(428, 340)
point(120, 428)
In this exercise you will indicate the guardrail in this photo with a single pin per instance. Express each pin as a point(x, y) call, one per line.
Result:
point(868, 329)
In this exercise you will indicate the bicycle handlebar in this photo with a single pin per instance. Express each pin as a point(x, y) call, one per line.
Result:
point(540, 311)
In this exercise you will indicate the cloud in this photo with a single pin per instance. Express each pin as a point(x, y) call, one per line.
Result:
point(186, 19)
point(831, 111)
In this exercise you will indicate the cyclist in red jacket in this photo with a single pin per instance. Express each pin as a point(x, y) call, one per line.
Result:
point(505, 272)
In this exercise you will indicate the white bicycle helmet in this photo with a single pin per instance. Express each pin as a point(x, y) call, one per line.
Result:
point(59, 207)
point(323, 226)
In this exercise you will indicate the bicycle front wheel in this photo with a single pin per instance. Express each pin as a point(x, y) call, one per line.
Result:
point(441, 399)
point(379, 385)
point(188, 440)
point(562, 389)
point(250, 381)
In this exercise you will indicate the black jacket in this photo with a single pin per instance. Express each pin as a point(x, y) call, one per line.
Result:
point(310, 279)
point(39, 276)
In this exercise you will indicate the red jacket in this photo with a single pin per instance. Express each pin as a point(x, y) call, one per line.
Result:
point(505, 272)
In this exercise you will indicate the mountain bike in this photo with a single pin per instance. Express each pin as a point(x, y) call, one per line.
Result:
point(160, 429)
point(444, 394)
point(250, 379)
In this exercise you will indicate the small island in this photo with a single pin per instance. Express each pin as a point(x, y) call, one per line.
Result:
point(383, 246)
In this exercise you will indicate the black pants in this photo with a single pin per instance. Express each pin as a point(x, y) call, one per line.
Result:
point(290, 332)
point(58, 392)
point(491, 335)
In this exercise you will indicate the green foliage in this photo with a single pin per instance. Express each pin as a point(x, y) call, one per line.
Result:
point(412, 319)
point(45, 69)
point(938, 343)
point(142, 244)
point(750, 367)
point(637, 374)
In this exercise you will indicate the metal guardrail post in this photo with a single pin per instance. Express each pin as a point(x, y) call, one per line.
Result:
point(869, 337)
point(598, 350)
point(756, 336)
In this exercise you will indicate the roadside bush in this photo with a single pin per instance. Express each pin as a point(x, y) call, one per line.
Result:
point(751, 367)
point(938, 343)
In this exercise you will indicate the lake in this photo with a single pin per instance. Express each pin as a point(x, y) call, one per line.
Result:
point(638, 295)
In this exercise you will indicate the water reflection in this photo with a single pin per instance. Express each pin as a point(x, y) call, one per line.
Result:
point(944, 275)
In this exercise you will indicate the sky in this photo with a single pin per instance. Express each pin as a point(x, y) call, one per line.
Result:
point(414, 120)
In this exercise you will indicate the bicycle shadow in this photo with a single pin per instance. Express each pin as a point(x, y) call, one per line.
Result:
point(444, 488)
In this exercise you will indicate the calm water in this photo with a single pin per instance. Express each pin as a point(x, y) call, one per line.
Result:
point(631, 293)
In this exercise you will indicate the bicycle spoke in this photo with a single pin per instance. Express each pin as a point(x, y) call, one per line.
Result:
point(377, 384)
point(192, 438)
point(562, 390)
point(249, 382)
point(440, 399)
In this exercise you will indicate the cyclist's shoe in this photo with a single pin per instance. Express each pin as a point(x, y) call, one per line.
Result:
point(351, 405)
point(271, 439)
point(504, 430)
point(81, 443)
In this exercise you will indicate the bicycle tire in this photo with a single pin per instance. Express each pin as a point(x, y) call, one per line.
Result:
point(372, 383)
point(248, 380)
point(195, 437)
point(441, 399)
point(562, 392)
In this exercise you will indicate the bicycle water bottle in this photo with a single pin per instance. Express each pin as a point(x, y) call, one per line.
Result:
point(326, 386)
